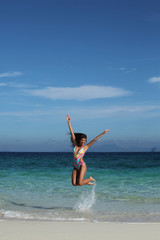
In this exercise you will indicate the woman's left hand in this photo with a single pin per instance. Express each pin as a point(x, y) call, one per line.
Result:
point(106, 131)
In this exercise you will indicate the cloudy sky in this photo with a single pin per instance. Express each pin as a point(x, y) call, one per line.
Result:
point(97, 60)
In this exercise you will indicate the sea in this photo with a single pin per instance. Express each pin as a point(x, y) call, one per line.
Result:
point(37, 187)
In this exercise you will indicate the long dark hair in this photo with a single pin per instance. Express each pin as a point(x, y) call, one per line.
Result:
point(79, 136)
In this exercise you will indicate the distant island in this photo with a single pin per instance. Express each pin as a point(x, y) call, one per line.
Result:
point(154, 149)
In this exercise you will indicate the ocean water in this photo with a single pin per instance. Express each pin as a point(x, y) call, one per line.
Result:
point(37, 186)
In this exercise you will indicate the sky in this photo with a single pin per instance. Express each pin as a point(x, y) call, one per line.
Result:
point(96, 60)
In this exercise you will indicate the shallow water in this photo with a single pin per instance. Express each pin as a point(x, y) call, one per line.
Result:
point(38, 186)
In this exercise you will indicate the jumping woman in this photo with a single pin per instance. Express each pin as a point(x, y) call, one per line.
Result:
point(80, 168)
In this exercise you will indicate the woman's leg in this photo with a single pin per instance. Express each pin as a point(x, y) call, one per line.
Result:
point(83, 181)
point(74, 177)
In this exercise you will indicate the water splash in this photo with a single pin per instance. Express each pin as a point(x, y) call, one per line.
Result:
point(86, 200)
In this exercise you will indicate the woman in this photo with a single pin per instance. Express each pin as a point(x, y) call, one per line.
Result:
point(79, 140)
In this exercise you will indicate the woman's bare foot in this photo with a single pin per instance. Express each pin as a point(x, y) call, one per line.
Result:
point(91, 179)
point(90, 183)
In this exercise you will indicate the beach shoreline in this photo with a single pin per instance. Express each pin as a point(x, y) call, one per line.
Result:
point(40, 230)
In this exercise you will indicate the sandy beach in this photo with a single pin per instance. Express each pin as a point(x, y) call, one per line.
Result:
point(38, 230)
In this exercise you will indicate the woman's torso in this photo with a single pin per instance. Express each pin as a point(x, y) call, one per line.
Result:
point(78, 154)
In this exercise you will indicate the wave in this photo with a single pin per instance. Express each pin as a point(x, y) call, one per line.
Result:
point(19, 215)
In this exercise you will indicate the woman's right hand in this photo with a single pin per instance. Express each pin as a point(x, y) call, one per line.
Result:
point(68, 118)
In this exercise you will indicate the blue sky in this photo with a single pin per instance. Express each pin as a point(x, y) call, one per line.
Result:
point(98, 61)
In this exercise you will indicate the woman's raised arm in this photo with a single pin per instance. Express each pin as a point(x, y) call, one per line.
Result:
point(95, 139)
point(71, 130)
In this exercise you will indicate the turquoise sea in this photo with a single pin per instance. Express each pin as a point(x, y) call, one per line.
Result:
point(37, 186)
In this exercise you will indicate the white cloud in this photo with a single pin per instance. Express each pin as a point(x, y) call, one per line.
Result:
point(79, 93)
point(131, 70)
point(127, 70)
point(3, 84)
point(10, 74)
point(19, 85)
point(122, 68)
point(154, 79)
point(110, 111)
point(26, 113)
point(16, 85)
point(91, 112)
